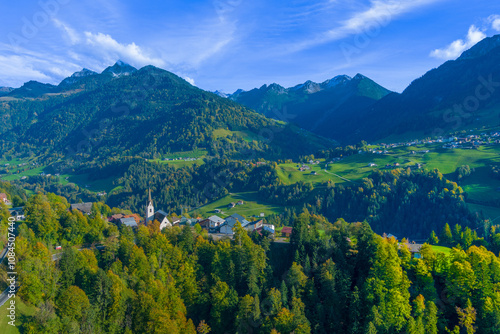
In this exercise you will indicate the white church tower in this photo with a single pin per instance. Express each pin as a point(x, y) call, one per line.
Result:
point(150, 210)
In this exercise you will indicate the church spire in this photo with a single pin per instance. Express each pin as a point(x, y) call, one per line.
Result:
point(150, 210)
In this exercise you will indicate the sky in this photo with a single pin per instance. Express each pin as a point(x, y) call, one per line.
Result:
point(230, 44)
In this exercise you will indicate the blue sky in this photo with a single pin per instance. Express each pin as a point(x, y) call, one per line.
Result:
point(230, 44)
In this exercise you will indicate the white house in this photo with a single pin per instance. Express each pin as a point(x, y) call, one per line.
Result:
point(214, 222)
point(161, 216)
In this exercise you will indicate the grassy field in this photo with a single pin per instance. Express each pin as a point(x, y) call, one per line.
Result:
point(23, 311)
point(441, 249)
point(252, 206)
point(17, 176)
point(489, 212)
point(182, 163)
point(82, 180)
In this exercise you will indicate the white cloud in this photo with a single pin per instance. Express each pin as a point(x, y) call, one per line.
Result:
point(495, 21)
point(379, 14)
point(456, 48)
point(112, 50)
point(70, 33)
point(17, 70)
point(190, 80)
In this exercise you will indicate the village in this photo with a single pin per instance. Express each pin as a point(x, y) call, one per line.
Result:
point(215, 225)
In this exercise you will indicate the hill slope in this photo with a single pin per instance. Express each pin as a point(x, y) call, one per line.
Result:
point(124, 111)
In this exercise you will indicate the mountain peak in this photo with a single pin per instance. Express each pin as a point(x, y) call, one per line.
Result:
point(83, 73)
point(119, 69)
point(481, 48)
point(335, 81)
point(121, 63)
point(359, 77)
point(221, 94)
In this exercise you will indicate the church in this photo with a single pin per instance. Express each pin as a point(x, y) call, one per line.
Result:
point(159, 215)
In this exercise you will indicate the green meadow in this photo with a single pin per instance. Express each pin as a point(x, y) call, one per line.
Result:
point(252, 206)
point(23, 312)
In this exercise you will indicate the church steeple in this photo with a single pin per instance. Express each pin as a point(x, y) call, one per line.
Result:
point(150, 210)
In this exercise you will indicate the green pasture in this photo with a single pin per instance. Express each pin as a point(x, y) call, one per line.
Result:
point(23, 312)
point(252, 206)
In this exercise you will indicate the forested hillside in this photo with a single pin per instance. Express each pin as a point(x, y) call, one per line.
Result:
point(148, 112)
point(346, 280)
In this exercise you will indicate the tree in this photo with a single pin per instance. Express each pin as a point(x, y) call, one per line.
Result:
point(198, 228)
point(446, 235)
point(224, 301)
point(433, 239)
point(430, 318)
point(72, 303)
point(68, 265)
point(467, 317)
point(41, 218)
point(203, 328)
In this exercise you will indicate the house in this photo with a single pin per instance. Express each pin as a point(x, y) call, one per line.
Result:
point(188, 221)
point(214, 222)
point(240, 203)
point(286, 231)
point(3, 197)
point(114, 218)
point(314, 172)
point(17, 213)
point(266, 228)
point(392, 236)
point(128, 222)
point(217, 210)
point(205, 224)
point(175, 220)
point(254, 225)
point(237, 217)
point(262, 215)
point(414, 249)
point(371, 164)
point(231, 205)
point(85, 208)
point(161, 217)
point(227, 227)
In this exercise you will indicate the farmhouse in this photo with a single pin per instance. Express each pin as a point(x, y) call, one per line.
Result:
point(214, 222)
point(128, 222)
point(3, 197)
point(415, 249)
point(286, 231)
point(85, 208)
point(227, 227)
point(254, 225)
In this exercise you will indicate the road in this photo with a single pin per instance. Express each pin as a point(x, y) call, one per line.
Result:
point(343, 178)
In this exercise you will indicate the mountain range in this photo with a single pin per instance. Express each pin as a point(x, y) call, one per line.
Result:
point(353, 109)
point(150, 111)
point(147, 112)
point(318, 107)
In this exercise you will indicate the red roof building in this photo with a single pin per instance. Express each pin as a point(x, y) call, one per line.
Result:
point(286, 231)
